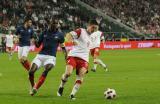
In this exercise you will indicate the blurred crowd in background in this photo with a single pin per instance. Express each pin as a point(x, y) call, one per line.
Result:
point(13, 12)
point(142, 15)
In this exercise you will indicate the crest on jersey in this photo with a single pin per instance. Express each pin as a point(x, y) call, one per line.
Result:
point(56, 37)
point(29, 30)
point(21, 30)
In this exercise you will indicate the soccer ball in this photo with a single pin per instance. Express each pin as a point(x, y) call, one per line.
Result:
point(110, 93)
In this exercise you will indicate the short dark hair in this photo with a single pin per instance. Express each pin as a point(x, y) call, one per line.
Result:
point(53, 25)
point(27, 19)
point(93, 22)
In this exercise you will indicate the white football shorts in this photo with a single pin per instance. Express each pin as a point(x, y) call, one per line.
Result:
point(42, 60)
point(23, 51)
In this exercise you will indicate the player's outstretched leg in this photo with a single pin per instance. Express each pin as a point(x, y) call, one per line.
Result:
point(31, 72)
point(42, 78)
point(64, 79)
point(8, 50)
point(10, 56)
point(94, 66)
point(100, 62)
point(79, 80)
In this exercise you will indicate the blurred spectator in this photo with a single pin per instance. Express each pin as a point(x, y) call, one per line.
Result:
point(142, 15)
point(3, 44)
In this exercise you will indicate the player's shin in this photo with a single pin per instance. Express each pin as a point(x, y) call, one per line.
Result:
point(100, 62)
point(95, 65)
point(63, 80)
point(31, 72)
point(40, 82)
point(42, 78)
point(31, 79)
point(76, 87)
point(10, 55)
point(26, 64)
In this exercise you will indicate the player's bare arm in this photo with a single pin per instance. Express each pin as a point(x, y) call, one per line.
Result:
point(69, 38)
point(64, 50)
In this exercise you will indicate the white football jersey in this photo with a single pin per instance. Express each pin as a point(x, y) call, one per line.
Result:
point(81, 50)
point(96, 38)
point(9, 40)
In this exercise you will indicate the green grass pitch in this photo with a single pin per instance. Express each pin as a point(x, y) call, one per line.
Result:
point(134, 74)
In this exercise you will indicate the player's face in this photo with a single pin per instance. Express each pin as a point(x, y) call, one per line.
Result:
point(92, 28)
point(54, 26)
point(29, 23)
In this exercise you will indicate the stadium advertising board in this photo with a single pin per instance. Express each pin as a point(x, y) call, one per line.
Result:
point(111, 45)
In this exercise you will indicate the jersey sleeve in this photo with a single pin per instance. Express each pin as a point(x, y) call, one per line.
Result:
point(76, 34)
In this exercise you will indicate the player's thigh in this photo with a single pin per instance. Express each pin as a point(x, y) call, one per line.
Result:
point(71, 64)
point(82, 71)
point(20, 50)
point(33, 68)
point(25, 51)
point(82, 67)
point(96, 53)
point(69, 69)
point(49, 60)
point(38, 61)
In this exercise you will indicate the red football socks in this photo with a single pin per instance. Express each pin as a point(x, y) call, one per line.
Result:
point(40, 82)
point(26, 65)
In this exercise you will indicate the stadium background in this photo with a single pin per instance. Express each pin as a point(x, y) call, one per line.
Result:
point(125, 23)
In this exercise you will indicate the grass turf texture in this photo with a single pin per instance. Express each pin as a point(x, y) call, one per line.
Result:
point(134, 74)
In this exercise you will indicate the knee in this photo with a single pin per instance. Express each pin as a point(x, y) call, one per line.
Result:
point(31, 73)
point(23, 59)
point(34, 67)
point(78, 81)
point(67, 74)
point(45, 72)
point(95, 59)
point(65, 77)
point(47, 69)
point(68, 71)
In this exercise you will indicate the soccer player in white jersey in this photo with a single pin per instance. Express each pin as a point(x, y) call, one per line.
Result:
point(96, 39)
point(9, 44)
point(78, 57)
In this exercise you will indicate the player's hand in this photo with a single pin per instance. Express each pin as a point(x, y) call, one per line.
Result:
point(64, 51)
